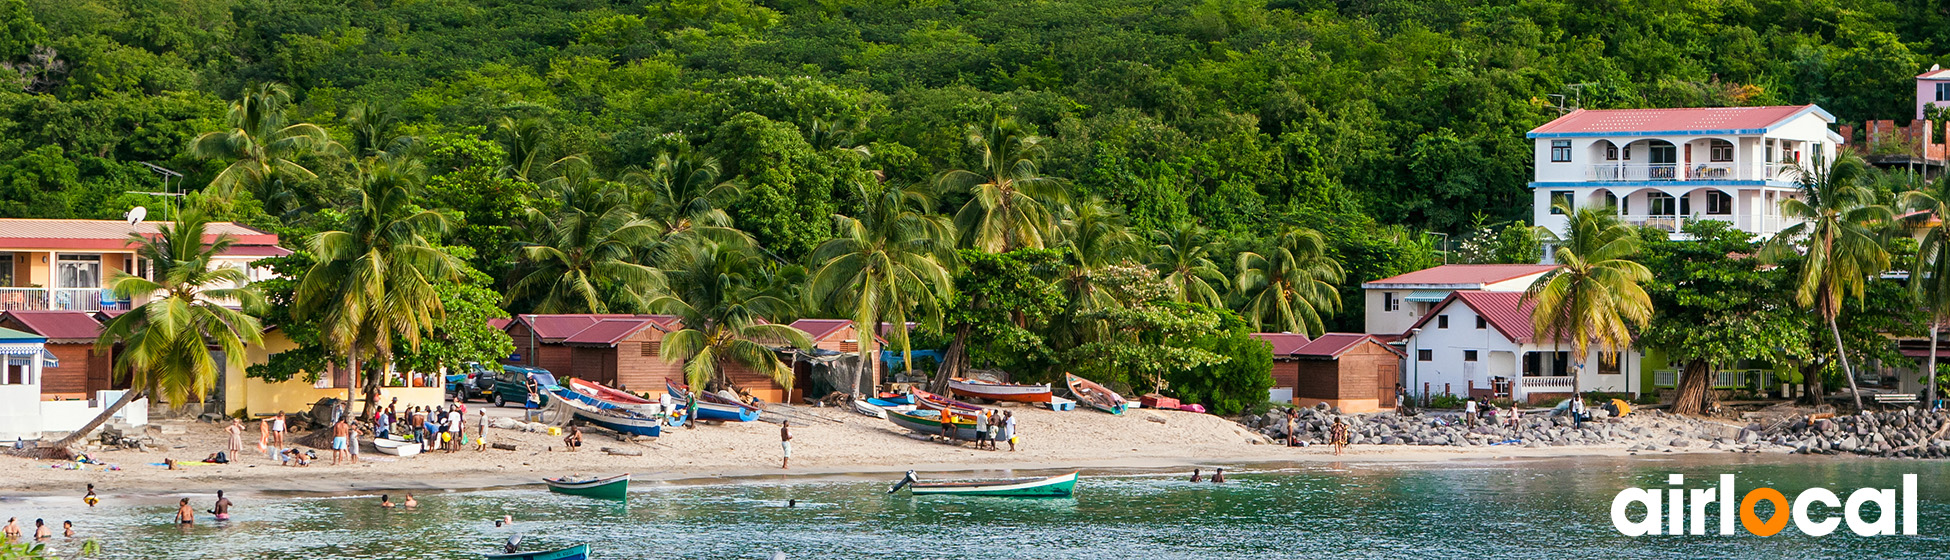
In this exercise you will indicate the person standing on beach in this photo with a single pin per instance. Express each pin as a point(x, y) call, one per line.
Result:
point(264, 437)
point(1292, 427)
point(785, 444)
point(236, 431)
point(277, 431)
point(185, 515)
point(457, 423)
point(982, 429)
point(1401, 400)
point(1338, 435)
point(1469, 412)
point(1009, 428)
point(222, 509)
point(339, 432)
point(352, 443)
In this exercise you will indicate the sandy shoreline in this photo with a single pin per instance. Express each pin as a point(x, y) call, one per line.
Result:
point(826, 443)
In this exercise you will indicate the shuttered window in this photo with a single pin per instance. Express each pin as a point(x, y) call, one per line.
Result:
point(652, 348)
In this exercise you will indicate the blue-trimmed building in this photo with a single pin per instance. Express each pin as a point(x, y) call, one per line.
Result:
point(1664, 167)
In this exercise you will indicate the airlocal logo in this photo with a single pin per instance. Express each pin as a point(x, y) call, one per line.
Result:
point(1682, 511)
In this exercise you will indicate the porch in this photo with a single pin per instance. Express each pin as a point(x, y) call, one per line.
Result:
point(61, 299)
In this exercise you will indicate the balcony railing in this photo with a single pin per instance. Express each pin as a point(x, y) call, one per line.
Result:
point(1668, 224)
point(1551, 384)
point(1722, 379)
point(1708, 171)
point(1634, 172)
point(72, 299)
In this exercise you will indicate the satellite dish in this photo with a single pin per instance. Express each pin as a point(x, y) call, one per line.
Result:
point(136, 215)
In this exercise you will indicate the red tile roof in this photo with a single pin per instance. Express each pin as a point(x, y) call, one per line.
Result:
point(255, 251)
point(59, 326)
point(1466, 274)
point(1693, 119)
point(608, 332)
point(1284, 344)
point(109, 234)
point(1332, 345)
point(1507, 312)
point(1935, 74)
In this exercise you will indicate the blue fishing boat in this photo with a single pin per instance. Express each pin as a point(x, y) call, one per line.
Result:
point(577, 552)
point(622, 421)
point(708, 410)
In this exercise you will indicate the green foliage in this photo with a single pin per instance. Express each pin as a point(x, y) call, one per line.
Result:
point(1144, 337)
point(1716, 303)
point(1446, 401)
point(991, 290)
point(462, 334)
point(19, 33)
point(1231, 386)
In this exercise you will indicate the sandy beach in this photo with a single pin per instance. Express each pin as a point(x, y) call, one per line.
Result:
point(825, 441)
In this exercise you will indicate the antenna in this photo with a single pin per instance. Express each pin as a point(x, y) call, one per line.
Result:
point(167, 193)
point(136, 215)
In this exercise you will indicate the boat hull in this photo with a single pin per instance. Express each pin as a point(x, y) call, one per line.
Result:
point(1052, 487)
point(725, 412)
point(922, 422)
point(616, 420)
point(931, 401)
point(612, 488)
point(396, 447)
point(577, 552)
point(1096, 396)
point(1000, 391)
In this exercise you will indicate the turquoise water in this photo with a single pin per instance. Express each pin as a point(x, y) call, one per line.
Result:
point(1486, 509)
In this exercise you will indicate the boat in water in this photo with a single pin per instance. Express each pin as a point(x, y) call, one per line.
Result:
point(929, 422)
point(397, 447)
point(620, 420)
point(712, 407)
point(1096, 396)
point(931, 401)
point(613, 488)
point(577, 552)
point(991, 390)
point(1060, 486)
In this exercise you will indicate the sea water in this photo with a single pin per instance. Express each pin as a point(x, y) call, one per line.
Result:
point(1476, 509)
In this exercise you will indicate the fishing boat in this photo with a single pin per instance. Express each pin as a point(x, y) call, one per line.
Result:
point(884, 403)
point(577, 552)
point(623, 421)
point(991, 390)
point(931, 401)
point(620, 398)
point(1090, 393)
point(397, 447)
point(867, 408)
point(929, 422)
point(895, 398)
point(1060, 486)
point(710, 407)
point(614, 488)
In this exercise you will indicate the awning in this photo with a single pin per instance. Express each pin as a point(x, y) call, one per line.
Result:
point(13, 351)
point(1427, 296)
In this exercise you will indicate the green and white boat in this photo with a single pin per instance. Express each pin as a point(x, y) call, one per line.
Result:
point(1060, 486)
point(612, 488)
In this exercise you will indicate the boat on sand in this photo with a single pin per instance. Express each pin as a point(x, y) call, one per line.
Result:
point(929, 422)
point(991, 390)
point(1090, 393)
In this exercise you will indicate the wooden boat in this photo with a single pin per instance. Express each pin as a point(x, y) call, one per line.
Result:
point(895, 398)
point(931, 401)
point(884, 403)
point(990, 390)
point(577, 552)
point(623, 421)
point(1060, 486)
point(620, 398)
point(866, 408)
point(614, 488)
point(709, 406)
point(1090, 393)
point(929, 422)
point(396, 447)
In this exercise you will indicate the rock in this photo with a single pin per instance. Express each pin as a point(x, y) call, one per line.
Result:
point(1391, 440)
point(1681, 442)
point(1154, 417)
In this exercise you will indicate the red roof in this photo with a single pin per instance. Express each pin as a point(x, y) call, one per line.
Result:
point(1332, 345)
point(255, 251)
point(1507, 312)
point(500, 323)
point(1284, 344)
point(820, 328)
point(1935, 74)
point(109, 234)
point(1467, 274)
point(59, 325)
point(608, 332)
point(1693, 119)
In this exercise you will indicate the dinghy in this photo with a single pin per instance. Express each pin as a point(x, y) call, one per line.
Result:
point(614, 488)
point(1060, 486)
point(1090, 393)
point(396, 447)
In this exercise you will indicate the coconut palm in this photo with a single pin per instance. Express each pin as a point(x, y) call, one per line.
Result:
point(525, 141)
point(1011, 205)
point(262, 148)
point(586, 256)
point(1929, 276)
point(1596, 294)
point(725, 317)
point(166, 342)
point(1291, 286)
point(885, 260)
point(1838, 222)
point(1182, 256)
point(1095, 236)
point(372, 279)
point(682, 194)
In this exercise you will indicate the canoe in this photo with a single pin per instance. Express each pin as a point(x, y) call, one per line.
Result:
point(397, 447)
point(709, 406)
point(1090, 393)
point(929, 422)
point(895, 398)
point(614, 488)
point(998, 391)
point(577, 552)
point(593, 394)
point(1060, 486)
point(931, 401)
point(619, 420)
point(866, 408)
point(885, 403)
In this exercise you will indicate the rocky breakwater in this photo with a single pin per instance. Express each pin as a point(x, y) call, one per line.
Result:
point(1900, 433)
point(1652, 431)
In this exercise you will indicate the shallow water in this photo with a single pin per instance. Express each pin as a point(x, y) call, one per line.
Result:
point(1481, 509)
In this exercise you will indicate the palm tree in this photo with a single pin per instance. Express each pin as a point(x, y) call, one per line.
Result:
point(1929, 277)
point(1838, 222)
point(725, 317)
point(1291, 286)
point(1595, 294)
point(373, 277)
point(1183, 258)
point(525, 142)
point(1011, 204)
point(682, 194)
point(261, 147)
point(1096, 236)
point(165, 342)
point(587, 256)
point(885, 261)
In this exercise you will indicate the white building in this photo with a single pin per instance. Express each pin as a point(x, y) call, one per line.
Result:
point(1663, 167)
point(1394, 304)
point(1479, 343)
point(25, 412)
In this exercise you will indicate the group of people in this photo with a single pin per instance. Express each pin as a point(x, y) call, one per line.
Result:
point(435, 427)
point(186, 515)
point(42, 532)
point(991, 428)
point(1218, 475)
point(1481, 410)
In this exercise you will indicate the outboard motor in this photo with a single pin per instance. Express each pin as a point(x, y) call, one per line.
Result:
point(906, 480)
point(513, 545)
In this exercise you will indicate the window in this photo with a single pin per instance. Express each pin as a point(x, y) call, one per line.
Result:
point(1561, 197)
point(1660, 204)
point(1686, 204)
point(1560, 151)
point(1719, 203)
point(1390, 303)
point(652, 349)
point(1611, 152)
point(1943, 92)
point(1469, 355)
point(1720, 150)
point(1611, 201)
point(1424, 355)
point(1442, 321)
point(1480, 323)
point(1626, 152)
point(1609, 362)
point(6, 270)
point(78, 271)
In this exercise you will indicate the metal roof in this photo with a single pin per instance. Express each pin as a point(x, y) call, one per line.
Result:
point(1284, 344)
point(1507, 312)
point(59, 325)
point(111, 234)
point(1461, 275)
point(1691, 120)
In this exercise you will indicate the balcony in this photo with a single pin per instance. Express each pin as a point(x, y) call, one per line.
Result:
point(66, 299)
point(1712, 171)
point(1546, 384)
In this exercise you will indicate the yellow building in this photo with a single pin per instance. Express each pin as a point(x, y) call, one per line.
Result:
point(256, 398)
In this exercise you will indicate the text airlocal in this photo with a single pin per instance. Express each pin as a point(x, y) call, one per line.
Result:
point(1683, 511)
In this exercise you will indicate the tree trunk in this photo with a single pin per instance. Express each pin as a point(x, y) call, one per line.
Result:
point(1929, 374)
point(1811, 384)
point(1695, 389)
point(954, 362)
point(72, 437)
point(1843, 354)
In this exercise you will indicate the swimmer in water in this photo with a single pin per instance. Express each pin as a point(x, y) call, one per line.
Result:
point(90, 498)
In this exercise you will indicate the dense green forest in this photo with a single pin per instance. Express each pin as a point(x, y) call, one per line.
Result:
point(1371, 122)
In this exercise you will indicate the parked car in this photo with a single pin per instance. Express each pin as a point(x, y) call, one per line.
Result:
point(511, 386)
point(470, 381)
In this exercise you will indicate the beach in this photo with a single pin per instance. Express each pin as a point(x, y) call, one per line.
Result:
point(825, 441)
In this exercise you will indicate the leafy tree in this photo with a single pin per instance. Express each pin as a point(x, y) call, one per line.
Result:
point(262, 149)
point(1834, 217)
point(1147, 337)
point(1291, 286)
point(1595, 295)
point(1227, 387)
point(1002, 302)
point(886, 261)
point(683, 195)
point(1716, 304)
point(462, 334)
point(19, 33)
point(727, 320)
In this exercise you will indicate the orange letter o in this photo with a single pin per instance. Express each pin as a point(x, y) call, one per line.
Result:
point(1773, 524)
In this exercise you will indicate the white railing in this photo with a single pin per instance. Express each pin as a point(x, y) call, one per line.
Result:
point(1722, 379)
point(1707, 171)
point(1669, 224)
point(1780, 172)
point(1552, 384)
point(1634, 172)
point(76, 299)
point(1712, 171)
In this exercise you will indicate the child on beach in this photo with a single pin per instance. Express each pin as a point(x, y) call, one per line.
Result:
point(236, 431)
point(1338, 436)
point(184, 514)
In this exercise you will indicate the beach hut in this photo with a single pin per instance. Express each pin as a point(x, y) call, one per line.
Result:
point(1352, 371)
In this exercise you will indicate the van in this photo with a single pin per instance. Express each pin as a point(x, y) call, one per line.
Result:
point(511, 385)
